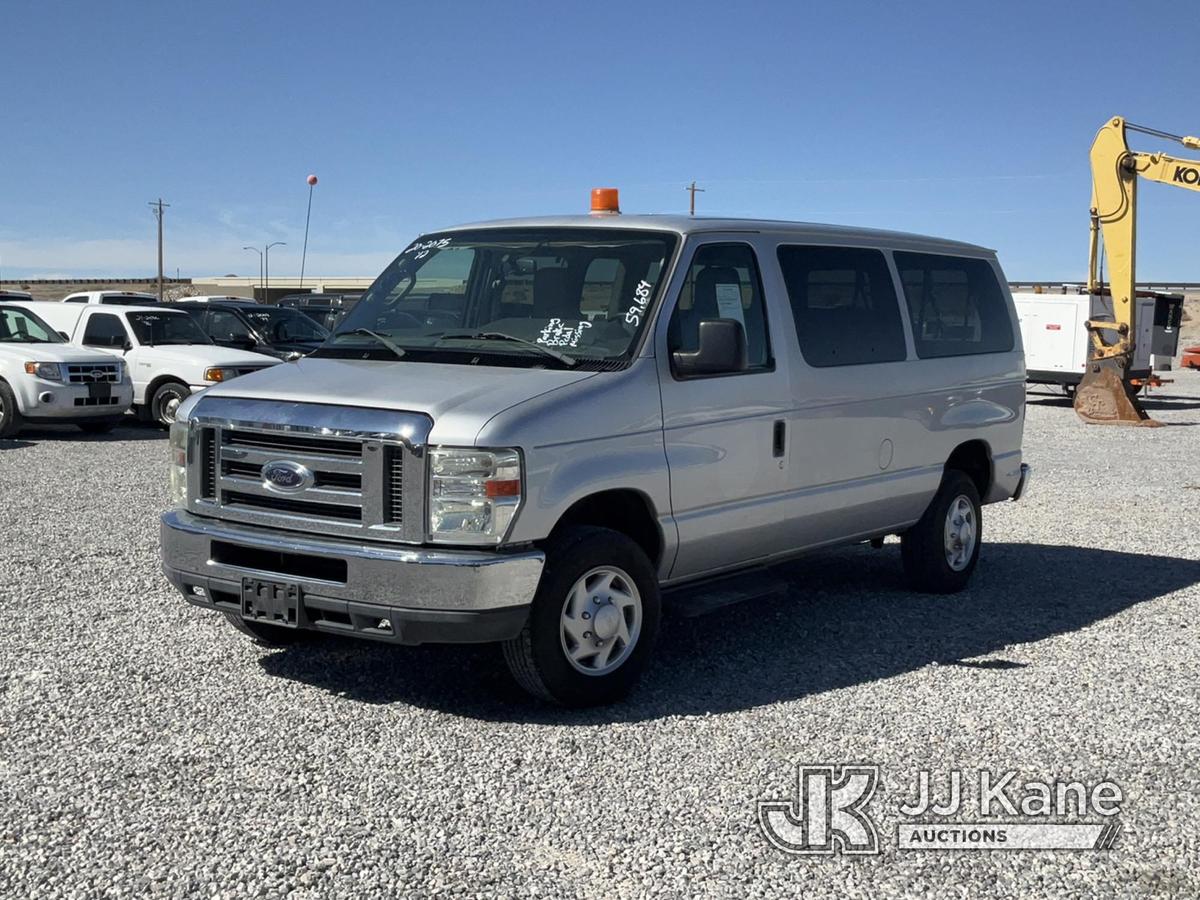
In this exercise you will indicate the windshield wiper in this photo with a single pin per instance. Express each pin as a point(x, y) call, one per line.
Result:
point(567, 361)
point(383, 339)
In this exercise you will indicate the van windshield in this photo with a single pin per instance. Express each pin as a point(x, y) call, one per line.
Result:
point(532, 297)
point(19, 326)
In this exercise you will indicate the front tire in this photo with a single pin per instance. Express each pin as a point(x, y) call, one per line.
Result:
point(10, 417)
point(941, 550)
point(593, 622)
point(166, 400)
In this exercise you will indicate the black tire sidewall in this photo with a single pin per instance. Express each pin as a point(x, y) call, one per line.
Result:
point(924, 545)
point(161, 395)
point(10, 418)
point(568, 557)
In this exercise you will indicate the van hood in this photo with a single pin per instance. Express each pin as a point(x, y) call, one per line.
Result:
point(436, 389)
point(64, 353)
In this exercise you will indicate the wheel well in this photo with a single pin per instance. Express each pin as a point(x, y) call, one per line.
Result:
point(629, 512)
point(975, 459)
point(159, 382)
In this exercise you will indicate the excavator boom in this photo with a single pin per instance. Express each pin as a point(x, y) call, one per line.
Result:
point(1106, 394)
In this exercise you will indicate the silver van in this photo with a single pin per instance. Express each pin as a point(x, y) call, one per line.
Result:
point(527, 431)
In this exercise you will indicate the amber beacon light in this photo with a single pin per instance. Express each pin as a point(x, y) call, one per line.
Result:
point(605, 202)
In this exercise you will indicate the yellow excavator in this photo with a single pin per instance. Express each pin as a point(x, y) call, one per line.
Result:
point(1106, 394)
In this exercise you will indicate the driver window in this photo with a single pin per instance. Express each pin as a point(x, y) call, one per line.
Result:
point(722, 283)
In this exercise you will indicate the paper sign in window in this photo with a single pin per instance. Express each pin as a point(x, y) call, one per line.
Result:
point(729, 302)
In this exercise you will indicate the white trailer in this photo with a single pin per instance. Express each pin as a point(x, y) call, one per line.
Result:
point(1054, 331)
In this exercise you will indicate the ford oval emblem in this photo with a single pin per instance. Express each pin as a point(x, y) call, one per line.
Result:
point(287, 476)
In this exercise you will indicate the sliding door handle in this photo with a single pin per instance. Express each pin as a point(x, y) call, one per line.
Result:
point(778, 439)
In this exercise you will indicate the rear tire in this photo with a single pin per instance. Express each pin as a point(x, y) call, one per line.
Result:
point(11, 419)
point(166, 400)
point(267, 635)
point(593, 622)
point(940, 552)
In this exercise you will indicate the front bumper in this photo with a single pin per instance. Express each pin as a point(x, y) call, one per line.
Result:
point(53, 401)
point(438, 596)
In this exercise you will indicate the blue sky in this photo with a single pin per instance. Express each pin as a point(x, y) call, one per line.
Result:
point(961, 119)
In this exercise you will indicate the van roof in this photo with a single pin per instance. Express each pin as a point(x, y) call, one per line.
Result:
point(685, 225)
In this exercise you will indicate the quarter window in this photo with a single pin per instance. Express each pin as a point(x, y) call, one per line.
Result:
point(722, 283)
point(844, 305)
point(956, 305)
point(104, 331)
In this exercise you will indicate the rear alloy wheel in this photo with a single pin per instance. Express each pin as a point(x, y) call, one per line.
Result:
point(941, 550)
point(593, 621)
point(166, 400)
point(10, 417)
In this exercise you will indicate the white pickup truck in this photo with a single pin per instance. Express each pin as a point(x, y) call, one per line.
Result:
point(44, 380)
point(168, 356)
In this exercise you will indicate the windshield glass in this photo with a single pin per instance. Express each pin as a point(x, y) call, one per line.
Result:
point(585, 293)
point(284, 326)
point(21, 327)
point(166, 328)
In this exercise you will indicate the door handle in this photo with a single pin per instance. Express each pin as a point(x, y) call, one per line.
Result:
point(778, 439)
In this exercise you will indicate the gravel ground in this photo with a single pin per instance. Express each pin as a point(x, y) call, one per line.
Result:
point(147, 749)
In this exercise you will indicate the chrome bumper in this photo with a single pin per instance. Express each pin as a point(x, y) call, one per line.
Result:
point(1026, 474)
point(214, 555)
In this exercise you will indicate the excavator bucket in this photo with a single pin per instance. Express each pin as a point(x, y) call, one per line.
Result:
point(1102, 398)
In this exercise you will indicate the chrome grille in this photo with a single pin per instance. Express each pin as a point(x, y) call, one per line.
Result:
point(362, 470)
point(92, 373)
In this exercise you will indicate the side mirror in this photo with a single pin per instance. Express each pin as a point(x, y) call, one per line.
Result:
point(722, 349)
point(127, 345)
point(64, 335)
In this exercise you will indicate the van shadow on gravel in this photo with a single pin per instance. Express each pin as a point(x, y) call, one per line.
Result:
point(846, 620)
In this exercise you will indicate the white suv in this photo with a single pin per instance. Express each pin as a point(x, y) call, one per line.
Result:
point(44, 380)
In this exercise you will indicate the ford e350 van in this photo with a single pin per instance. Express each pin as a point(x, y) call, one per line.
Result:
point(526, 431)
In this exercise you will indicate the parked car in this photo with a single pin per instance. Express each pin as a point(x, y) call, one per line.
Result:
point(246, 325)
point(45, 381)
point(324, 309)
point(604, 408)
point(167, 354)
point(112, 298)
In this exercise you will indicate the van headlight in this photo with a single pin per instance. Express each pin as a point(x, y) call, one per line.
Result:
point(473, 494)
point(220, 373)
point(178, 443)
point(47, 371)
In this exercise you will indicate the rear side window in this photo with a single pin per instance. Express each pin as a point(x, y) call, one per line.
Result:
point(844, 305)
point(956, 305)
point(104, 331)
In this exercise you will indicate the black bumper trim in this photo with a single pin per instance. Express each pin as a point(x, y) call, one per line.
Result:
point(364, 620)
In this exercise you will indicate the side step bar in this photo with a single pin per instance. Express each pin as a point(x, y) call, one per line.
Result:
point(692, 600)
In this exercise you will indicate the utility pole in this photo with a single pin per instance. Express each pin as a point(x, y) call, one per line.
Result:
point(157, 206)
point(693, 190)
